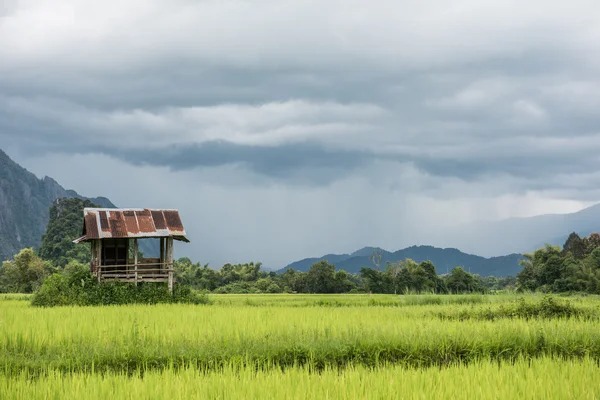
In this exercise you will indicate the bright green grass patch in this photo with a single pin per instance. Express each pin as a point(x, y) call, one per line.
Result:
point(352, 300)
point(537, 379)
point(15, 296)
point(548, 307)
point(126, 338)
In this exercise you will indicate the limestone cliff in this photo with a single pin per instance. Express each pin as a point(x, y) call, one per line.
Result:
point(24, 206)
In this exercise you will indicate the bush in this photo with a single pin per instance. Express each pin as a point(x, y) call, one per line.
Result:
point(237, 288)
point(53, 292)
point(24, 274)
point(77, 286)
point(546, 308)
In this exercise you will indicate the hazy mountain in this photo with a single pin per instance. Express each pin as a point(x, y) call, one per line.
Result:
point(444, 260)
point(25, 201)
point(332, 258)
point(491, 239)
point(521, 235)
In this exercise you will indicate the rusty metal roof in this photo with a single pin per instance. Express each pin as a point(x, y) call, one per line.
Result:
point(117, 223)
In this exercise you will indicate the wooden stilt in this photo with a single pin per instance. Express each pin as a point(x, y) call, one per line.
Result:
point(170, 262)
point(99, 259)
point(162, 252)
point(135, 259)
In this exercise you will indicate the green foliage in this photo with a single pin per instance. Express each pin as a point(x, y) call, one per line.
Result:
point(238, 278)
point(237, 288)
point(497, 284)
point(404, 277)
point(64, 226)
point(575, 268)
point(321, 277)
point(399, 278)
point(547, 308)
point(460, 281)
point(24, 274)
point(576, 246)
point(76, 286)
point(443, 259)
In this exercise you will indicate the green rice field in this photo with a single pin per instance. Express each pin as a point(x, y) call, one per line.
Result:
point(305, 346)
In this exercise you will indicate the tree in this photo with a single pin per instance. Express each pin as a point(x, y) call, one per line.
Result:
point(550, 264)
point(321, 277)
point(421, 279)
point(64, 226)
point(592, 242)
point(263, 284)
point(376, 257)
point(460, 281)
point(376, 281)
point(26, 273)
point(392, 271)
point(527, 277)
point(185, 271)
point(576, 246)
point(342, 283)
point(435, 282)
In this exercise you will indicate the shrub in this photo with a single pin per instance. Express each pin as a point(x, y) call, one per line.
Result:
point(546, 308)
point(237, 288)
point(76, 286)
point(53, 292)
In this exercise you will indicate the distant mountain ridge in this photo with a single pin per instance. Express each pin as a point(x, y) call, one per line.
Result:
point(443, 258)
point(522, 235)
point(25, 201)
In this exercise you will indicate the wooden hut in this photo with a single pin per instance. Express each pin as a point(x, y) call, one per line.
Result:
point(114, 234)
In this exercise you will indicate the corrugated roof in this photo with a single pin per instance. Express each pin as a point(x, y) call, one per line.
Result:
point(118, 223)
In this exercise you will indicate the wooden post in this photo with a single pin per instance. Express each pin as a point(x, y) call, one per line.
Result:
point(135, 259)
point(162, 253)
point(170, 262)
point(92, 256)
point(99, 244)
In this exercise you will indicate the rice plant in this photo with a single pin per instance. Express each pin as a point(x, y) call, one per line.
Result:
point(524, 379)
point(287, 346)
point(129, 337)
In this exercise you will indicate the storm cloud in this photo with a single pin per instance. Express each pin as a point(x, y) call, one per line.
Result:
point(393, 113)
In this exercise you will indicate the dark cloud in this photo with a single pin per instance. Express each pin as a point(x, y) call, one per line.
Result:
point(307, 162)
point(423, 100)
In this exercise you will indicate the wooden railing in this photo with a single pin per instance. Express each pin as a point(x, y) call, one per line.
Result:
point(157, 272)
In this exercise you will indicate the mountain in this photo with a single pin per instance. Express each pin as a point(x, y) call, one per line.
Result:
point(492, 239)
point(443, 259)
point(521, 235)
point(25, 201)
point(302, 264)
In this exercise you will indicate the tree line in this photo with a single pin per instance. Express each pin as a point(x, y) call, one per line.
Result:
point(28, 270)
point(405, 276)
point(573, 268)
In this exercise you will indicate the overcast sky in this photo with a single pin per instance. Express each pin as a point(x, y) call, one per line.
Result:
point(286, 129)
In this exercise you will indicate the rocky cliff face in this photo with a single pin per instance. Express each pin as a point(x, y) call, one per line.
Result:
point(24, 206)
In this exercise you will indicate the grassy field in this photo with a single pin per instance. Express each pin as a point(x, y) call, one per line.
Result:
point(543, 378)
point(305, 346)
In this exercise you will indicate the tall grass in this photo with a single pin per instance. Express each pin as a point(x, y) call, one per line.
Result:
point(15, 296)
point(126, 338)
point(524, 379)
point(352, 300)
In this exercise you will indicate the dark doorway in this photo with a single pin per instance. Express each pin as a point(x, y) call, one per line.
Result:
point(114, 252)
